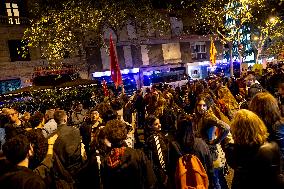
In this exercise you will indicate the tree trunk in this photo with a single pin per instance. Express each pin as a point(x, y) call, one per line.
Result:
point(241, 61)
point(231, 59)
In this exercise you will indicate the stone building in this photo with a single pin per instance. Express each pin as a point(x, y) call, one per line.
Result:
point(135, 48)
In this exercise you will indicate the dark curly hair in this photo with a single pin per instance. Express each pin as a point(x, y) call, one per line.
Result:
point(16, 148)
point(116, 132)
point(116, 104)
point(36, 119)
point(40, 146)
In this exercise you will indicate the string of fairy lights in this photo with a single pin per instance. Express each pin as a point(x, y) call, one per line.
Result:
point(57, 97)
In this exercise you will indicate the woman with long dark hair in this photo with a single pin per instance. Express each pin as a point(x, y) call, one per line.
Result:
point(187, 143)
point(266, 107)
point(213, 131)
point(156, 148)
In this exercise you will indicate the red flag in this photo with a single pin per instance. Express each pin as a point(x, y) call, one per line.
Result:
point(114, 66)
point(105, 88)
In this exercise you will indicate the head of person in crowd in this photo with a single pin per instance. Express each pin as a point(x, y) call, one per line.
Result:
point(116, 132)
point(99, 141)
point(94, 115)
point(37, 120)
point(169, 98)
point(39, 144)
point(199, 88)
point(250, 80)
point(4, 119)
point(281, 89)
point(13, 116)
point(266, 107)
point(60, 117)
point(26, 116)
point(248, 129)
point(203, 103)
point(78, 106)
point(185, 134)
point(49, 114)
point(153, 123)
point(18, 150)
point(148, 90)
point(117, 106)
point(102, 107)
point(109, 115)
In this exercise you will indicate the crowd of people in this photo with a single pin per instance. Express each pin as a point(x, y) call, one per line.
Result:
point(230, 125)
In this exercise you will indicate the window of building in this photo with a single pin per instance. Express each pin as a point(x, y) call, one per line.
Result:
point(198, 50)
point(13, 13)
point(18, 51)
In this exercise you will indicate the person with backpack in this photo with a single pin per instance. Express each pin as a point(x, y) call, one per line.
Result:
point(194, 150)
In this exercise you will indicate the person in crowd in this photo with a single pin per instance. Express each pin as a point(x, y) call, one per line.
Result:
point(3, 121)
point(252, 86)
point(140, 107)
point(14, 127)
point(266, 107)
point(186, 142)
point(36, 121)
point(256, 162)
point(40, 147)
point(25, 118)
point(281, 97)
point(78, 115)
point(90, 127)
point(125, 167)
point(50, 125)
point(18, 151)
point(156, 148)
point(117, 106)
point(68, 144)
point(213, 131)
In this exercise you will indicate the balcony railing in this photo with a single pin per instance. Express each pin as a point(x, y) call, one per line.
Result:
point(15, 20)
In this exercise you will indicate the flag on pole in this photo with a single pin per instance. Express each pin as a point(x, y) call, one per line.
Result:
point(213, 54)
point(114, 66)
point(106, 93)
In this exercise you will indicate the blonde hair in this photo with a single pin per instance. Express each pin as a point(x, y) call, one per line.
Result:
point(248, 129)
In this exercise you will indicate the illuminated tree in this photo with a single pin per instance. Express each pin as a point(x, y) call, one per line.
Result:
point(268, 38)
point(230, 21)
point(58, 27)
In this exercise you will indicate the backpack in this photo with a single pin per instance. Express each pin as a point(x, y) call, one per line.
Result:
point(190, 173)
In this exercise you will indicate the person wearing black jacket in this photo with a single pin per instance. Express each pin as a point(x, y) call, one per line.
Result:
point(125, 167)
point(18, 150)
point(255, 161)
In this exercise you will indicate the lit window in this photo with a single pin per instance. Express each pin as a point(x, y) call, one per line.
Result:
point(13, 13)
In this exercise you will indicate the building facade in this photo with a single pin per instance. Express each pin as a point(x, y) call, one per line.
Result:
point(135, 48)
